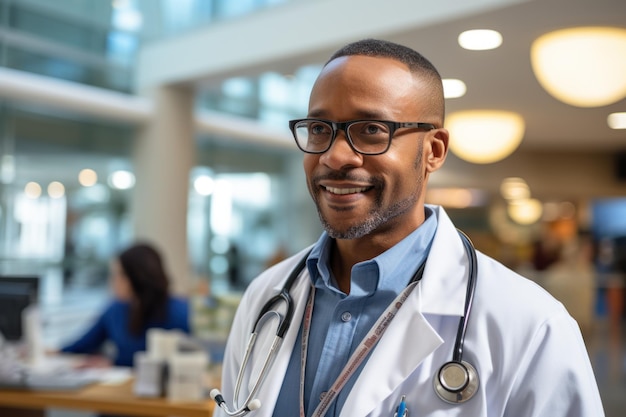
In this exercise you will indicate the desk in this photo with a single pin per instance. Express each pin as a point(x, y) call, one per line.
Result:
point(113, 399)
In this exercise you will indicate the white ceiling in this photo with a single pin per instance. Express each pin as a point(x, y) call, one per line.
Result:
point(503, 78)
point(496, 79)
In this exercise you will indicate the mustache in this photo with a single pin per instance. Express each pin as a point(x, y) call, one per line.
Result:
point(346, 176)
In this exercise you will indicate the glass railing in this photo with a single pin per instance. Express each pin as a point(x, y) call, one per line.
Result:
point(42, 40)
point(97, 42)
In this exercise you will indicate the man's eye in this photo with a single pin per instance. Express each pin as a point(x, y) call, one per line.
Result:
point(318, 129)
point(373, 129)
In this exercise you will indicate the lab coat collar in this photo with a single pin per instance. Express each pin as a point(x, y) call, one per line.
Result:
point(410, 338)
point(444, 283)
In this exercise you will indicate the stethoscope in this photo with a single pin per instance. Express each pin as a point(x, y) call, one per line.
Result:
point(455, 382)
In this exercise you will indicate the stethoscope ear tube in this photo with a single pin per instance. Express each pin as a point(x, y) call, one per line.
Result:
point(266, 313)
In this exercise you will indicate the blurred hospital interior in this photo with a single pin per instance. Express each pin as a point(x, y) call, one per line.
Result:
point(167, 121)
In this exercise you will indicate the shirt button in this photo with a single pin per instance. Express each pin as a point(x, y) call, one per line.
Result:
point(346, 316)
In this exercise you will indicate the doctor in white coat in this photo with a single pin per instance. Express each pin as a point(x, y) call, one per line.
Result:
point(389, 262)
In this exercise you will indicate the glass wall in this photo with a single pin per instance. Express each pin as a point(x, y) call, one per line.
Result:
point(78, 227)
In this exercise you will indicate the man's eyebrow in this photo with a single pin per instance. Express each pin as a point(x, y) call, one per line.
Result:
point(359, 115)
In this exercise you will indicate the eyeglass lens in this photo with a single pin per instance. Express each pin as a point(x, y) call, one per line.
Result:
point(366, 136)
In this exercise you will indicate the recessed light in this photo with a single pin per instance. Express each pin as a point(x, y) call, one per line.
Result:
point(453, 88)
point(480, 39)
point(617, 120)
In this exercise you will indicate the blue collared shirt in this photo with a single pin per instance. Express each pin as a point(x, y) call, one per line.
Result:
point(341, 321)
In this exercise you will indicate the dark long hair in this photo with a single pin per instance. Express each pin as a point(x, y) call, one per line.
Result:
point(143, 266)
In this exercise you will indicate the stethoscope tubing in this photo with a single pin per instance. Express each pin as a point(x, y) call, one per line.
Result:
point(457, 354)
point(284, 322)
point(267, 312)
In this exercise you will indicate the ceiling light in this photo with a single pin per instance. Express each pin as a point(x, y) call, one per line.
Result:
point(453, 88)
point(484, 136)
point(617, 120)
point(582, 66)
point(56, 189)
point(32, 190)
point(525, 212)
point(122, 179)
point(514, 188)
point(87, 177)
point(480, 39)
point(204, 185)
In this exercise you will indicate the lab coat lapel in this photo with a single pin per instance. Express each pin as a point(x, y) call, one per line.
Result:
point(408, 340)
point(446, 273)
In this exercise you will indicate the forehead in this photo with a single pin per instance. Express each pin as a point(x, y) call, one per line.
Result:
point(350, 85)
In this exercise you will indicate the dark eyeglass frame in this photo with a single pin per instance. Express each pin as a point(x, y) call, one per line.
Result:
point(345, 126)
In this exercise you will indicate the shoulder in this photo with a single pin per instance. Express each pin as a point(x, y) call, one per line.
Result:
point(503, 289)
point(275, 276)
point(509, 311)
point(178, 301)
point(520, 338)
point(115, 307)
point(178, 304)
point(265, 286)
point(178, 314)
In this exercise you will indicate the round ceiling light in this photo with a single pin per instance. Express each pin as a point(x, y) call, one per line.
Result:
point(582, 66)
point(484, 136)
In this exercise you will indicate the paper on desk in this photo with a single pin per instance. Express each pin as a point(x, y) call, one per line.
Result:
point(115, 375)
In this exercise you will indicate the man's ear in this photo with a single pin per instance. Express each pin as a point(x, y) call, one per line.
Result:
point(438, 149)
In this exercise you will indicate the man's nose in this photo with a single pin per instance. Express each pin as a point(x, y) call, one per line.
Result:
point(341, 153)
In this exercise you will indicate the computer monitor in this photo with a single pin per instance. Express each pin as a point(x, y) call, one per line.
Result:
point(16, 293)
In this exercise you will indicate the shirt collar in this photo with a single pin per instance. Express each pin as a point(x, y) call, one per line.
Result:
point(391, 270)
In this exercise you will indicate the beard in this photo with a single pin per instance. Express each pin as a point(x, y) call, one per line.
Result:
point(379, 215)
point(376, 218)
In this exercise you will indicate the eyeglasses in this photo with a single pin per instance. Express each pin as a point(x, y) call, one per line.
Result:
point(367, 137)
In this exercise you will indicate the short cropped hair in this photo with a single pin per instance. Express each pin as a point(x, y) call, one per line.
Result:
point(416, 62)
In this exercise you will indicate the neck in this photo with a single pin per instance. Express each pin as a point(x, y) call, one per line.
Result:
point(348, 252)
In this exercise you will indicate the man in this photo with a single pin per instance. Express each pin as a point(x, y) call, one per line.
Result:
point(390, 263)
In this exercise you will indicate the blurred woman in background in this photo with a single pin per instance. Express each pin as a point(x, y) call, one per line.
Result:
point(142, 301)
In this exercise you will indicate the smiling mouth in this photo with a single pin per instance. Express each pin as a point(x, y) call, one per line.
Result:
point(345, 191)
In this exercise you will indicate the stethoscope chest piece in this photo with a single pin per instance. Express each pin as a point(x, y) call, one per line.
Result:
point(456, 382)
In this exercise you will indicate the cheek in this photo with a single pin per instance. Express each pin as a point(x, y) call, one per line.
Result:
point(403, 171)
point(121, 288)
point(309, 163)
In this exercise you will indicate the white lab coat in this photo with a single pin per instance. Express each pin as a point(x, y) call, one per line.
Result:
point(528, 351)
